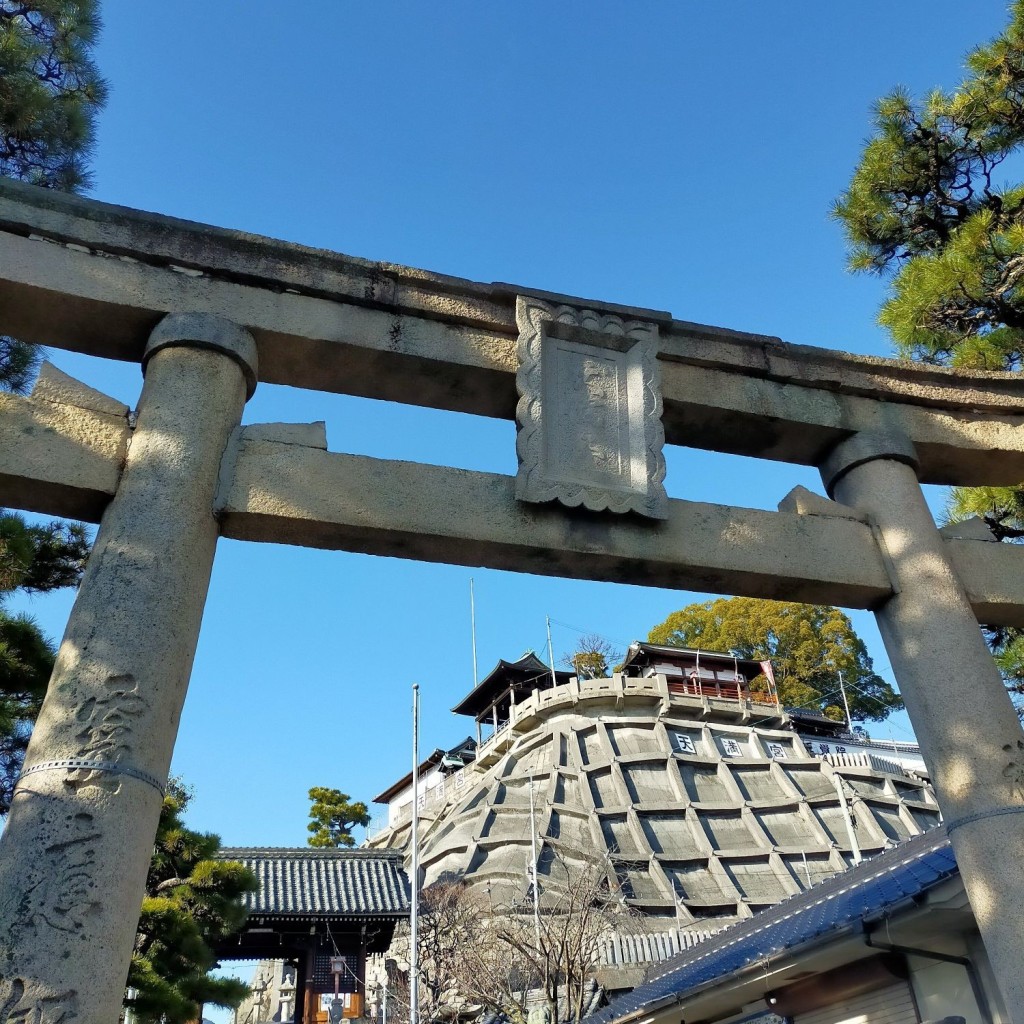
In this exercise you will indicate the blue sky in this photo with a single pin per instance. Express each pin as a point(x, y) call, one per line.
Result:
point(679, 156)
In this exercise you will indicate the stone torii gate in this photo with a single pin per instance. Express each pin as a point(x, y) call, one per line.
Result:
point(596, 390)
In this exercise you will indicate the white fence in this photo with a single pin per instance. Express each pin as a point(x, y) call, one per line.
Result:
point(621, 950)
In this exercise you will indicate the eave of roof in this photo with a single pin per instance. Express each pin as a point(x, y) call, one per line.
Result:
point(829, 908)
point(491, 687)
point(639, 647)
point(324, 883)
point(431, 761)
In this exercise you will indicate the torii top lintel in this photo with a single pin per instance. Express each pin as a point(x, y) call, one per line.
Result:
point(331, 322)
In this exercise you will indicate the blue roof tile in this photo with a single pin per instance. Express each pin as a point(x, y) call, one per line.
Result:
point(830, 906)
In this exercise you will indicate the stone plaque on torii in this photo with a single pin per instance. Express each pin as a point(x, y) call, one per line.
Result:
point(599, 389)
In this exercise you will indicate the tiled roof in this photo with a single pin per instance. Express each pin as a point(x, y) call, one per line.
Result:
point(831, 906)
point(324, 882)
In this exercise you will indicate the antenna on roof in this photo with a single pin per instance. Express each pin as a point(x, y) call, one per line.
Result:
point(472, 624)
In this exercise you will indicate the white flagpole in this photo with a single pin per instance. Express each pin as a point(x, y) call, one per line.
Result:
point(533, 868)
point(472, 620)
point(414, 917)
point(846, 703)
point(551, 653)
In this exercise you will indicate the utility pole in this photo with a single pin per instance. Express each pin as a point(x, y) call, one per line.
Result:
point(414, 917)
point(846, 703)
point(533, 870)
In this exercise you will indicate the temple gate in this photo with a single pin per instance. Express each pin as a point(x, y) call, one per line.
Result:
point(596, 389)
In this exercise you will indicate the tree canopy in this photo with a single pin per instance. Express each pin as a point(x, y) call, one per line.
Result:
point(929, 206)
point(593, 658)
point(925, 204)
point(807, 644)
point(35, 559)
point(50, 91)
point(333, 816)
point(192, 900)
point(50, 94)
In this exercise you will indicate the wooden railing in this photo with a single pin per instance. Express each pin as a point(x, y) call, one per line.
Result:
point(718, 691)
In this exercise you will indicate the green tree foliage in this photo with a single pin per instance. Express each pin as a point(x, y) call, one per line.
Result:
point(18, 365)
point(33, 559)
point(50, 93)
point(333, 816)
point(929, 206)
point(808, 645)
point(925, 204)
point(50, 90)
point(192, 901)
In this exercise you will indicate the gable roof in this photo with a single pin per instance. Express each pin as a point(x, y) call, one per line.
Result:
point(309, 882)
point(528, 671)
point(641, 654)
point(838, 904)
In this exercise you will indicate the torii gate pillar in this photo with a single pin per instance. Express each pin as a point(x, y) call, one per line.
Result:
point(77, 844)
point(962, 715)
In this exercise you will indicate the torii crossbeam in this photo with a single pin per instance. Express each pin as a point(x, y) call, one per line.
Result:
point(595, 388)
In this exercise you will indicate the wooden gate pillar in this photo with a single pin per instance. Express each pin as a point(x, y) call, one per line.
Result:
point(965, 722)
point(78, 841)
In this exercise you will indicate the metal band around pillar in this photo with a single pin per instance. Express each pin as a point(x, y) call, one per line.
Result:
point(968, 819)
point(111, 767)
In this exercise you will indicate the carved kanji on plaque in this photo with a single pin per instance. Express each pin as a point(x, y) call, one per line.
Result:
point(589, 412)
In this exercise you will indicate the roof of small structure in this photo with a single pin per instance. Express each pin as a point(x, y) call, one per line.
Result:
point(430, 761)
point(506, 674)
point(309, 882)
point(844, 901)
point(640, 653)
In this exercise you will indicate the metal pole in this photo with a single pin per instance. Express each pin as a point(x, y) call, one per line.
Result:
point(847, 817)
point(846, 703)
point(551, 652)
point(414, 917)
point(472, 620)
point(533, 871)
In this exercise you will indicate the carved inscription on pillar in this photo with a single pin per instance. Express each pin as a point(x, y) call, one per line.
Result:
point(589, 412)
point(28, 1002)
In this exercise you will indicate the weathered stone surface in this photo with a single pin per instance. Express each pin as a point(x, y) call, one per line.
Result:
point(704, 808)
point(83, 275)
point(806, 503)
point(863, 447)
point(589, 411)
point(203, 330)
point(335, 323)
point(969, 529)
point(58, 388)
point(74, 469)
point(77, 844)
point(286, 494)
point(992, 575)
point(308, 435)
point(963, 718)
point(62, 449)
